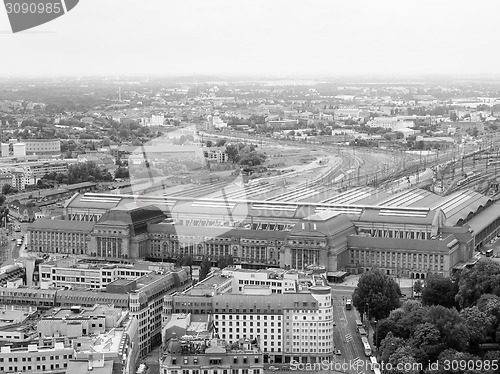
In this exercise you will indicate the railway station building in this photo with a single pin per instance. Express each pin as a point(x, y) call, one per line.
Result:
point(412, 233)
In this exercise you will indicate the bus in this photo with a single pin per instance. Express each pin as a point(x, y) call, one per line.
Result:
point(374, 365)
point(366, 346)
point(348, 304)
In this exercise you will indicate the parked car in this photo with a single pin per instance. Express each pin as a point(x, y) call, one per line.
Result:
point(337, 352)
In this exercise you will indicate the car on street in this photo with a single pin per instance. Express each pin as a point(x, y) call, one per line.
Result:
point(337, 352)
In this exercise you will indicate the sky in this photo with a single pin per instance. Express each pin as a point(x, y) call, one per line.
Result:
point(258, 37)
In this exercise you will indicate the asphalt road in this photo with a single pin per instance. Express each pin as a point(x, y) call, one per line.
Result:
point(346, 337)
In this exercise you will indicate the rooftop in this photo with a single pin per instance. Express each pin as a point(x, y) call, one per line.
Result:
point(63, 225)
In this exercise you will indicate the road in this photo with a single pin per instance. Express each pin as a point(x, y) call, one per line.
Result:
point(346, 337)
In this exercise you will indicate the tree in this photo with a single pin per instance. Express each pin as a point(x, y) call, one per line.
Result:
point(427, 339)
point(388, 346)
point(205, 268)
point(6, 188)
point(426, 334)
point(483, 278)
point(454, 333)
point(439, 291)
point(403, 362)
point(209, 143)
point(122, 173)
point(384, 327)
point(232, 153)
point(410, 315)
point(376, 294)
point(2, 199)
point(418, 287)
point(224, 262)
point(451, 355)
point(251, 158)
point(479, 325)
point(220, 142)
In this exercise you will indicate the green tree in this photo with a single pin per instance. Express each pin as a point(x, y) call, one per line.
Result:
point(450, 325)
point(439, 291)
point(2, 199)
point(376, 294)
point(479, 325)
point(483, 278)
point(252, 158)
point(205, 267)
point(122, 173)
point(6, 189)
point(451, 355)
point(220, 142)
point(224, 261)
point(388, 346)
point(418, 288)
point(232, 153)
point(403, 362)
point(384, 327)
point(426, 334)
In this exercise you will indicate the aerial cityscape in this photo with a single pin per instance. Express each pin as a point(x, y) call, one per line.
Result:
point(194, 200)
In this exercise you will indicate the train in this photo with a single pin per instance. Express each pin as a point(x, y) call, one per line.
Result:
point(468, 178)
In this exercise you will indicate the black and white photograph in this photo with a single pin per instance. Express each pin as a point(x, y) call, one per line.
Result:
point(249, 187)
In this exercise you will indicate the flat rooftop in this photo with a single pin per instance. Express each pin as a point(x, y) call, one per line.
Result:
point(68, 313)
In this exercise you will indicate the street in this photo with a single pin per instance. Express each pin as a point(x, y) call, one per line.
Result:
point(346, 337)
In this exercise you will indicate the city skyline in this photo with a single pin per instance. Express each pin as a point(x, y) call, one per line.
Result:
point(228, 38)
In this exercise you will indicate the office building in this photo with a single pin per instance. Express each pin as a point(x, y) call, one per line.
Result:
point(143, 297)
point(211, 356)
point(297, 325)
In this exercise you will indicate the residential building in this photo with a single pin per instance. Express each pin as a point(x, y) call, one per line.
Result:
point(19, 149)
point(45, 147)
point(35, 359)
point(216, 154)
point(390, 123)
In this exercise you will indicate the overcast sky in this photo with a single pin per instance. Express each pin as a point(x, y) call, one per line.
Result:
point(253, 37)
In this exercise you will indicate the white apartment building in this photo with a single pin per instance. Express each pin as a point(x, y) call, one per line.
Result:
point(34, 359)
point(390, 123)
point(295, 326)
point(274, 279)
point(291, 317)
point(216, 154)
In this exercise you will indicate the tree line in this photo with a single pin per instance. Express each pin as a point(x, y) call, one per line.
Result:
point(457, 318)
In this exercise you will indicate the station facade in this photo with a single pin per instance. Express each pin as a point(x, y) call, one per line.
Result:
point(414, 233)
